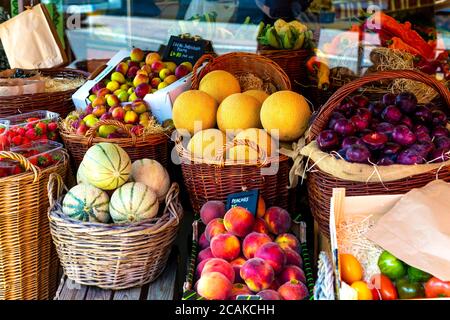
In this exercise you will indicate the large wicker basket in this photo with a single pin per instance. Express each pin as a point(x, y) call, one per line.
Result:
point(238, 63)
point(321, 184)
point(292, 61)
point(151, 146)
point(59, 102)
point(113, 256)
point(28, 260)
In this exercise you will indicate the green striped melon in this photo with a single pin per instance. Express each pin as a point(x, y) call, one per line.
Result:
point(107, 166)
point(86, 203)
point(133, 202)
point(81, 174)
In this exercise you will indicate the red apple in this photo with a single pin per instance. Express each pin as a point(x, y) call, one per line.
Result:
point(118, 113)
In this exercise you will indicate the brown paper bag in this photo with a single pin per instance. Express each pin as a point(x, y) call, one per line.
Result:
point(30, 40)
point(417, 229)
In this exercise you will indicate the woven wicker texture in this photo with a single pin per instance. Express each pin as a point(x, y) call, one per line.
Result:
point(292, 61)
point(59, 102)
point(28, 260)
point(151, 146)
point(238, 63)
point(113, 256)
point(321, 184)
point(215, 179)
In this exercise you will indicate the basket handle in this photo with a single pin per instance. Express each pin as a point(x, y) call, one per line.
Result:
point(24, 162)
point(90, 134)
point(262, 155)
point(195, 74)
point(54, 181)
point(344, 91)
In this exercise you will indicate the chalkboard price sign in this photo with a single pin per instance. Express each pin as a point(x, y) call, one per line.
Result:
point(186, 49)
point(247, 200)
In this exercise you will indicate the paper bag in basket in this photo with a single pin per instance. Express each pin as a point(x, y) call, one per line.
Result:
point(417, 229)
point(30, 40)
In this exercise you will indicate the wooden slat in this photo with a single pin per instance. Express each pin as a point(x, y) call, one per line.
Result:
point(128, 294)
point(95, 293)
point(69, 290)
point(163, 288)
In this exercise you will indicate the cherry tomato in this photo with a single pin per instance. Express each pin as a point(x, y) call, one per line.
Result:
point(385, 287)
point(350, 268)
point(364, 293)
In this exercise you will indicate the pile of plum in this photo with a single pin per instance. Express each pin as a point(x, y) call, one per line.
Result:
point(394, 130)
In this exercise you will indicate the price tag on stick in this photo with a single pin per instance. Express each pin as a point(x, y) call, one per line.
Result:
point(247, 200)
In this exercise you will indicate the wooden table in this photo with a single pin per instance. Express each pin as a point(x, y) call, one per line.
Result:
point(163, 288)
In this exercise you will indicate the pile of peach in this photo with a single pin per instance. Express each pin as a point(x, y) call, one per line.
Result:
point(246, 255)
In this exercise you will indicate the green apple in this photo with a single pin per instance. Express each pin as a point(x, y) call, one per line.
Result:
point(106, 130)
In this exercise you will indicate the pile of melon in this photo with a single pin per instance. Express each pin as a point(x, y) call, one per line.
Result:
point(219, 112)
point(137, 188)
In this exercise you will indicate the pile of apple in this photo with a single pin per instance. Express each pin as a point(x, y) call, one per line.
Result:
point(394, 130)
point(120, 95)
point(246, 255)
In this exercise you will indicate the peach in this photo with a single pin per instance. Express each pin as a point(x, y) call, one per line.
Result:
point(293, 258)
point(275, 285)
point(157, 66)
point(225, 246)
point(137, 55)
point(239, 289)
point(205, 254)
point(288, 240)
point(155, 82)
point(139, 106)
point(118, 113)
point(140, 71)
point(103, 92)
point(261, 211)
point(214, 286)
point(260, 226)
point(122, 68)
point(162, 85)
point(253, 242)
point(293, 290)
point(164, 73)
point(181, 71)
point(212, 210)
point(269, 295)
point(214, 227)
point(140, 78)
point(132, 72)
point(142, 90)
point(119, 77)
point(113, 101)
point(237, 265)
point(203, 242)
point(257, 274)
point(131, 117)
point(152, 57)
point(278, 220)
point(200, 267)
point(291, 272)
point(147, 69)
point(239, 221)
point(99, 101)
point(273, 255)
point(99, 111)
point(221, 266)
point(112, 86)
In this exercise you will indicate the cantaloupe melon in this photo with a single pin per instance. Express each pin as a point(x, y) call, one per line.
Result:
point(194, 111)
point(133, 202)
point(153, 175)
point(237, 112)
point(286, 112)
point(260, 137)
point(81, 174)
point(219, 84)
point(207, 144)
point(107, 166)
point(258, 94)
point(85, 202)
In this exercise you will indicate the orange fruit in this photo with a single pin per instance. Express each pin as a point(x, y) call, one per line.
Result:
point(364, 293)
point(350, 268)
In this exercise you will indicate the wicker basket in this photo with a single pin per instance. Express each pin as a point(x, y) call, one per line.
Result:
point(59, 102)
point(215, 179)
point(28, 260)
point(113, 256)
point(292, 61)
point(238, 63)
point(154, 146)
point(320, 184)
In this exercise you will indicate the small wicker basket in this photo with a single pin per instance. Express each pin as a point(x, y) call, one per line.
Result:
point(151, 146)
point(113, 256)
point(28, 260)
point(59, 102)
point(321, 184)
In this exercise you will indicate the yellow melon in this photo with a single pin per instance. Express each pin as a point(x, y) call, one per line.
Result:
point(258, 94)
point(237, 112)
point(219, 84)
point(285, 111)
point(207, 143)
point(194, 111)
point(258, 136)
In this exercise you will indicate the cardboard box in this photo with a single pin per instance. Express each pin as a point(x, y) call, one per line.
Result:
point(160, 102)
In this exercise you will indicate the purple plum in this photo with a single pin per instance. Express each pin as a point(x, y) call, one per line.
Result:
point(392, 114)
point(406, 101)
point(327, 140)
point(357, 153)
point(403, 135)
point(344, 127)
point(375, 140)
